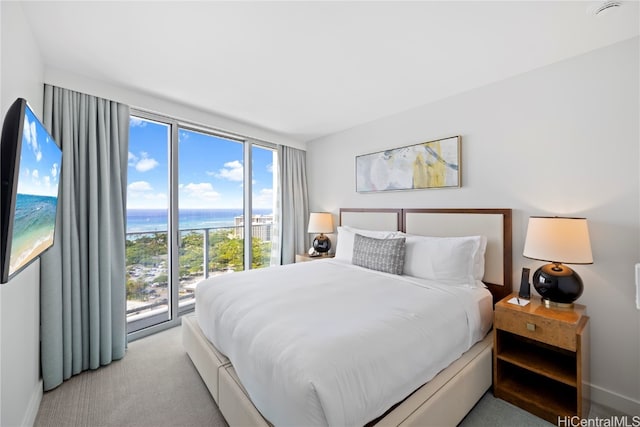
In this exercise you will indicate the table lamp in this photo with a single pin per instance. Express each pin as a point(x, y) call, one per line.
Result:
point(558, 240)
point(321, 222)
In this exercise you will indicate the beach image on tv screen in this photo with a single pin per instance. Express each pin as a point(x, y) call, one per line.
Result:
point(37, 194)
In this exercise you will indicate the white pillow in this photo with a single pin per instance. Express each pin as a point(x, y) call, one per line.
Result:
point(449, 260)
point(346, 235)
point(478, 264)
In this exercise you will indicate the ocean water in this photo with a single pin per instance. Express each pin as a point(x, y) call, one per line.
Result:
point(141, 220)
point(33, 228)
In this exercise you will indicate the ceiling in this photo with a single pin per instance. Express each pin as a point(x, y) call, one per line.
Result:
point(310, 69)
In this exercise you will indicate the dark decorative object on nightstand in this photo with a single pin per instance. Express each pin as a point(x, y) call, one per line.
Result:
point(558, 240)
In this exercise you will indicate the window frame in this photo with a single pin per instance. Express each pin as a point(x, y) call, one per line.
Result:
point(173, 232)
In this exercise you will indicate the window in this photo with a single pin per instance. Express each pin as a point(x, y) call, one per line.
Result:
point(188, 196)
point(148, 292)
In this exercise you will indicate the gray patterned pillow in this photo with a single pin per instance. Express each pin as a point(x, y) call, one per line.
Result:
point(379, 254)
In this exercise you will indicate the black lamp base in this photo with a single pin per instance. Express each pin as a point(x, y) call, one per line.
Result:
point(321, 243)
point(558, 285)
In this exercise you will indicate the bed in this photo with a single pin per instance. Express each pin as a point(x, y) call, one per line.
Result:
point(443, 400)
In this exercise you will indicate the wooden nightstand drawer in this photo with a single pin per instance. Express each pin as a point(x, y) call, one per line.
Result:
point(543, 329)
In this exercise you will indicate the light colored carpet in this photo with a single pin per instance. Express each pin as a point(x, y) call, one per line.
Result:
point(490, 411)
point(156, 384)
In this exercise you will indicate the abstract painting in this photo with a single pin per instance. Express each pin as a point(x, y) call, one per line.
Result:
point(434, 164)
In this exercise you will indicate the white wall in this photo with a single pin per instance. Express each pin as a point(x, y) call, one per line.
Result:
point(21, 75)
point(560, 140)
point(20, 335)
point(69, 80)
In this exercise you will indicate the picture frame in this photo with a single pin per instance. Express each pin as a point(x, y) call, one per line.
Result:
point(432, 164)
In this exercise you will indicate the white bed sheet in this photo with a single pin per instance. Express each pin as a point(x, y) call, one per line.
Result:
point(328, 343)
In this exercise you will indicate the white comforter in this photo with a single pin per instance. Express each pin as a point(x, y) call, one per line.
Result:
point(328, 343)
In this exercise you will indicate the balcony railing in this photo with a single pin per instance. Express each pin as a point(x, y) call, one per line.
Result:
point(203, 252)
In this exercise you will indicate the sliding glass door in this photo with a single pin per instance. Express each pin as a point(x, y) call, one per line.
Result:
point(202, 216)
point(264, 163)
point(148, 291)
point(210, 209)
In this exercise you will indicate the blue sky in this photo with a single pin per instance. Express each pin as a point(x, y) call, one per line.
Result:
point(40, 159)
point(210, 172)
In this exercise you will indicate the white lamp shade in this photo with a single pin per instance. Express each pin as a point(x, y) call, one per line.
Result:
point(556, 239)
point(320, 222)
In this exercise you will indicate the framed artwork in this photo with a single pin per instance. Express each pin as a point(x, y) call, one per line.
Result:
point(434, 164)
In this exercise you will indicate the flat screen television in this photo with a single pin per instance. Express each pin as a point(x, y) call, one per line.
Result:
point(30, 163)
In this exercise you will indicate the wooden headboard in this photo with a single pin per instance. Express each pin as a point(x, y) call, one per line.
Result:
point(494, 224)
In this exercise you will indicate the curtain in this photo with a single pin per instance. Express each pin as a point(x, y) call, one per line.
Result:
point(82, 291)
point(276, 229)
point(293, 202)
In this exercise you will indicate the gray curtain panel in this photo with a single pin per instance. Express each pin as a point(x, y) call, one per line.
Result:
point(294, 203)
point(82, 296)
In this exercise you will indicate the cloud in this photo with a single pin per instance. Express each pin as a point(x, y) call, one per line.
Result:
point(232, 171)
point(144, 164)
point(137, 122)
point(270, 168)
point(140, 194)
point(29, 133)
point(263, 199)
point(54, 170)
point(132, 159)
point(139, 186)
point(35, 178)
point(155, 196)
point(47, 181)
point(203, 191)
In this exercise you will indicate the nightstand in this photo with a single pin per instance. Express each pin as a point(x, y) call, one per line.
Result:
point(307, 257)
point(541, 358)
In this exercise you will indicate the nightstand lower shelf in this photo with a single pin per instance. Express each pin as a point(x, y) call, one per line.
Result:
point(539, 395)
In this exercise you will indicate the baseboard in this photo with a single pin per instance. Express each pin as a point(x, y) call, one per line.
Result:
point(614, 400)
point(34, 405)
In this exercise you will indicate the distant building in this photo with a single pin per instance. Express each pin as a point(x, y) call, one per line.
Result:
point(261, 226)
